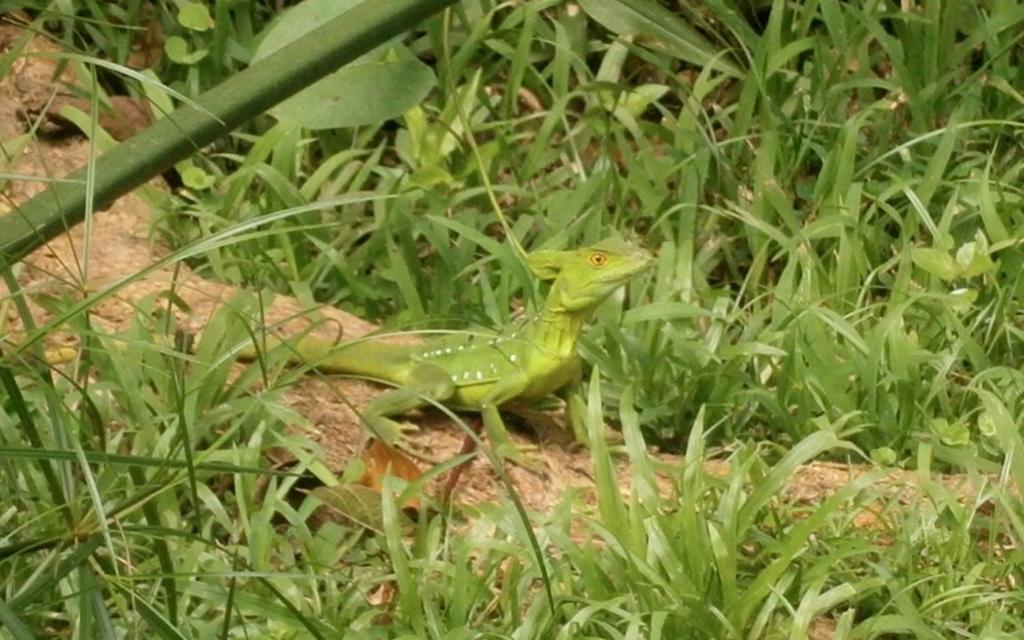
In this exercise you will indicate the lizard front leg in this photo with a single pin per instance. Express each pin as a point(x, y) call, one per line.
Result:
point(503, 390)
point(424, 384)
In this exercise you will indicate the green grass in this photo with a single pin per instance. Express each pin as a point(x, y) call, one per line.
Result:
point(832, 191)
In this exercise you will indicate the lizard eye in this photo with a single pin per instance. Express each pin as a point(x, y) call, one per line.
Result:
point(598, 259)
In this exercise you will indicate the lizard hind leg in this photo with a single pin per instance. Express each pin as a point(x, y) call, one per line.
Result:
point(423, 384)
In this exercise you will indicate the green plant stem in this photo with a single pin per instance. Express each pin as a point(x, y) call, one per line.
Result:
point(211, 116)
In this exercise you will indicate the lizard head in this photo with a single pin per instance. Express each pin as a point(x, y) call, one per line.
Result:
point(585, 277)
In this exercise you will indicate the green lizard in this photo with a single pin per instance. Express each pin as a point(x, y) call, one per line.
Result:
point(483, 373)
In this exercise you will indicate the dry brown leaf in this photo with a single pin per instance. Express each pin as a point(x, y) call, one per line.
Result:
point(381, 460)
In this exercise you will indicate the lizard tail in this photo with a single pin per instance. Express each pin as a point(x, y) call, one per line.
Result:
point(370, 358)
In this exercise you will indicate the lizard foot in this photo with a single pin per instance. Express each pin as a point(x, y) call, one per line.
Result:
point(394, 433)
point(388, 430)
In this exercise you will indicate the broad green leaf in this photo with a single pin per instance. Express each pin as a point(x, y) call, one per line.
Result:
point(195, 178)
point(177, 49)
point(378, 86)
point(965, 254)
point(635, 101)
point(431, 176)
point(961, 300)
point(1006, 430)
point(663, 311)
point(986, 424)
point(660, 27)
point(936, 262)
point(195, 16)
point(974, 257)
point(300, 20)
point(359, 94)
point(953, 434)
point(884, 456)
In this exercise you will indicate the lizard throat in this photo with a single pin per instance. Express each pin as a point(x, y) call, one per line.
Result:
point(557, 331)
